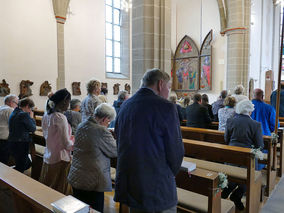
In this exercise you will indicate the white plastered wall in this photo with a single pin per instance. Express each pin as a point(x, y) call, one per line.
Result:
point(196, 19)
point(28, 45)
point(261, 43)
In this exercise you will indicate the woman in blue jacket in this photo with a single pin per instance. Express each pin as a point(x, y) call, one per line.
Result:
point(21, 124)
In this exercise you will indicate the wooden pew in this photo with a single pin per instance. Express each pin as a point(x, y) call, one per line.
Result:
point(28, 195)
point(194, 188)
point(201, 182)
point(281, 119)
point(215, 136)
point(38, 114)
point(230, 154)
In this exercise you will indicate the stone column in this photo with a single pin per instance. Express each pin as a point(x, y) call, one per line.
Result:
point(60, 10)
point(150, 37)
point(238, 33)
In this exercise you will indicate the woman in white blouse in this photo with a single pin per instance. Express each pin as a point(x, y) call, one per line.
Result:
point(59, 142)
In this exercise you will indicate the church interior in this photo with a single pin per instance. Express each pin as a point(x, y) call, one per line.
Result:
point(205, 46)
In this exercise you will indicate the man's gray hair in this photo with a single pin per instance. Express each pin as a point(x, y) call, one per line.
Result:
point(104, 110)
point(152, 76)
point(122, 94)
point(239, 89)
point(9, 98)
point(74, 103)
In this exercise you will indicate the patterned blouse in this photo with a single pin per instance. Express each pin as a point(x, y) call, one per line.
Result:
point(89, 105)
point(224, 114)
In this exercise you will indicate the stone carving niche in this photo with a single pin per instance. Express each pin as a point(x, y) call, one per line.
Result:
point(25, 89)
point(4, 88)
point(127, 87)
point(45, 88)
point(76, 90)
point(104, 90)
point(116, 88)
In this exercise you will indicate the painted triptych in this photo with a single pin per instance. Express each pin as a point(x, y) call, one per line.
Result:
point(192, 69)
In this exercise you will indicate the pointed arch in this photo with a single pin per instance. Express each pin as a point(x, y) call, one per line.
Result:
point(206, 63)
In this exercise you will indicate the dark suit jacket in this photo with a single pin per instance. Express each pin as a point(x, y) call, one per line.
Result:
point(197, 116)
point(150, 152)
point(20, 126)
point(242, 131)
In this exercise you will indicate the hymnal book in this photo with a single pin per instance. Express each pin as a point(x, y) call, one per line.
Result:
point(188, 165)
point(70, 204)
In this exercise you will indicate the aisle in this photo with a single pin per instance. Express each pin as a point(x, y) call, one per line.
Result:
point(275, 204)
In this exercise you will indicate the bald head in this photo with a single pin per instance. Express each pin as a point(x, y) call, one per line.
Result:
point(258, 94)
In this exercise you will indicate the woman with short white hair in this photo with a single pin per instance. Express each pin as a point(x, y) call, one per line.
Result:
point(242, 131)
point(239, 93)
point(94, 145)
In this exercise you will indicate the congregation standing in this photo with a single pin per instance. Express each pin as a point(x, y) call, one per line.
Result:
point(147, 140)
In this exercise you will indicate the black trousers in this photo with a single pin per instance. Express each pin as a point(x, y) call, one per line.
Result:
point(4, 151)
point(93, 198)
point(20, 151)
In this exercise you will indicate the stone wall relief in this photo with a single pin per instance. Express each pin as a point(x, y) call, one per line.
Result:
point(116, 88)
point(76, 90)
point(104, 89)
point(25, 89)
point(45, 88)
point(4, 88)
point(127, 87)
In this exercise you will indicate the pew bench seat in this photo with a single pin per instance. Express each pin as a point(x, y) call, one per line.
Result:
point(39, 149)
point(192, 201)
point(231, 171)
point(198, 203)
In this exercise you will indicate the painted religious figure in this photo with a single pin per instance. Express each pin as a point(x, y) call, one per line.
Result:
point(4, 88)
point(25, 89)
point(192, 68)
point(116, 88)
point(45, 88)
point(76, 90)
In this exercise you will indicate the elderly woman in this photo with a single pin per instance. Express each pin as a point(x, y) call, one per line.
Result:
point(225, 113)
point(242, 131)
point(90, 103)
point(57, 134)
point(90, 169)
point(21, 124)
point(238, 93)
point(73, 115)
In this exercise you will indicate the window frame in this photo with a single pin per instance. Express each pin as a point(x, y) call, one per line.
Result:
point(112, 40)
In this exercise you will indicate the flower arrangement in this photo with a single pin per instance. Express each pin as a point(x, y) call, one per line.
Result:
point(223, 180)
point(257, 153)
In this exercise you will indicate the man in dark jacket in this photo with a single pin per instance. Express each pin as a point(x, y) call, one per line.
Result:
point(150, 148)
point(196, 114)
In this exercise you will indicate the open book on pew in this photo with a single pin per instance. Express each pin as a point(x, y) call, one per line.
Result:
point(70, 204)
point(189, 166)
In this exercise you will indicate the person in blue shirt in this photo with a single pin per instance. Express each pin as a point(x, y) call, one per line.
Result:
point(263, 113)
point(273, 100)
